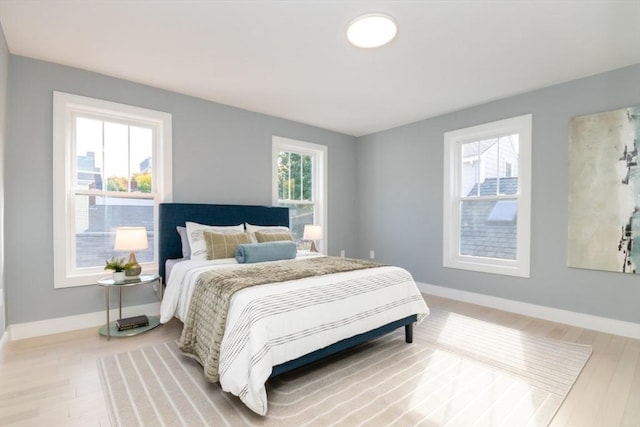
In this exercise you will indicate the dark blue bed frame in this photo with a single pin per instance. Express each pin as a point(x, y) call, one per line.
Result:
point(171, 215)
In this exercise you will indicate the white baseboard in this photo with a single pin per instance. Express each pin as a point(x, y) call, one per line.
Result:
point(71, 323)
point(603, 324)
point(582, 320)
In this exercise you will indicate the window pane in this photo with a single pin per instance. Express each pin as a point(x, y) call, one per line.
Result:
point(489, 228)
point(299, 215)
point(295, 176)
point(489, 167)
point(508, 165)
point(128, 157)
point(116, 156)
point(97, 218)
point(479, 168)
point(88, 154)
point(469, 169)
point(307, 167)
point(141, 149)
point(284, 187)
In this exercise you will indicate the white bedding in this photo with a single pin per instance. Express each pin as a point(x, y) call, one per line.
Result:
point(271, 324)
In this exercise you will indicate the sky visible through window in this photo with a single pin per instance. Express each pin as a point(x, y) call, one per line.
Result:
point(119, 152)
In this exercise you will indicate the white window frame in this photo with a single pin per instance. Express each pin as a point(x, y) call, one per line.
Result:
point(65, 108)
point(520, 267)
point(319, 176)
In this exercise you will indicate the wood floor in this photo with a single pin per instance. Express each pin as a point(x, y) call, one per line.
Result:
point(53, 380)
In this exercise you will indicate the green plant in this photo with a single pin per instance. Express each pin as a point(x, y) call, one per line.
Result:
point(116, 264)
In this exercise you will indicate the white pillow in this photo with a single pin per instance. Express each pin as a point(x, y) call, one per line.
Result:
point(251, 229)
point(195, 233)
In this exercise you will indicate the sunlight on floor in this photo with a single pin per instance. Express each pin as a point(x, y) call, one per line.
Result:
point(483, 380)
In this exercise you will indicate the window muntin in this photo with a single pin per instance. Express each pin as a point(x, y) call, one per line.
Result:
point(487, 197)
point(112, 167)
point(300, 184)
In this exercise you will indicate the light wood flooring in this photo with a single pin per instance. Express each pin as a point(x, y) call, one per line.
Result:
point(53, 380)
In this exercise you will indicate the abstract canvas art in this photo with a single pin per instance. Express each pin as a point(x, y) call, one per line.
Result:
point(604, 191)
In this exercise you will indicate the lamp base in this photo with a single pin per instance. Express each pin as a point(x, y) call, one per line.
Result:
point(313, 247)
point(133, 271)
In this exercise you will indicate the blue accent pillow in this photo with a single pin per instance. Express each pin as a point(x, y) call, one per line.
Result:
point(260, 252)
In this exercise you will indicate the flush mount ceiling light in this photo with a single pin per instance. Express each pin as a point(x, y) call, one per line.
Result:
point(372, 30)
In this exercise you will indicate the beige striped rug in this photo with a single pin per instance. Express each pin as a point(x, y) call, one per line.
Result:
point(458, 372)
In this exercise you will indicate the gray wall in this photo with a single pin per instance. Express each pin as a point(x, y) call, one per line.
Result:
point(220, 155)
point(4, 68)
point(223, 154)
point(400, 189)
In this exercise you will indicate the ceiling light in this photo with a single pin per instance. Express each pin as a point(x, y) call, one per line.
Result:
point(372, 30)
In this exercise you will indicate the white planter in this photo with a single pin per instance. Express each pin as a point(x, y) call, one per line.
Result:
point(119, 276)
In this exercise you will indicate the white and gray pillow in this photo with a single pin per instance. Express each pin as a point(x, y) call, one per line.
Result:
point(184, 241)
point(197, 244)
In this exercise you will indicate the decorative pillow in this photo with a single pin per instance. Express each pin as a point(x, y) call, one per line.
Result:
point(184, 240)
point(251, 229)
point(261, 252)
point(196, 237)
point(263, 237)
point(223, 245)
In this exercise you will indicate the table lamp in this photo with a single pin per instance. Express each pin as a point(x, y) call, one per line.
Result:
point(131, 239)
point(313, 233)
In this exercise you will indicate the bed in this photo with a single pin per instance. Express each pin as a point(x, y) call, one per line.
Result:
point(270, 349)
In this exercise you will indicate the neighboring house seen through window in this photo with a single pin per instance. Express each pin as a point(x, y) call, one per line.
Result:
point(487, 187)
point(112, 167)
point(299, 183)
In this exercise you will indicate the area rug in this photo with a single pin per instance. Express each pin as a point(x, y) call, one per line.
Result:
point(459, 371)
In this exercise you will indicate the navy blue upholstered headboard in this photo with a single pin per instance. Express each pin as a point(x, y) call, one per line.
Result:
point(171, 215)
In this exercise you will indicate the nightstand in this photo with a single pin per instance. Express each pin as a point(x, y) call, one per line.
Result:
point(110, 329)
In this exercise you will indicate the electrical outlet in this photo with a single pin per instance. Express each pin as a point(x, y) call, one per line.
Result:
point(342, 253)
point(372, 254)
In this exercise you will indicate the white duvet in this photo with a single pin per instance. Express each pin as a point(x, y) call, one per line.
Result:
point(271, 324)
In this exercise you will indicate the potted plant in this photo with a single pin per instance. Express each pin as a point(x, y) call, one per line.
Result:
point(118, 266)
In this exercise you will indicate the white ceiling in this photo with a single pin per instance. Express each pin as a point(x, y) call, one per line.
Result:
point(291, 59)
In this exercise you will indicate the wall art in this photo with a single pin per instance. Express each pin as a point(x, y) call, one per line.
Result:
point(604, 191)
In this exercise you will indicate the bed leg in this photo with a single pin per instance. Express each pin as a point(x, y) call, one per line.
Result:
point(408, 333)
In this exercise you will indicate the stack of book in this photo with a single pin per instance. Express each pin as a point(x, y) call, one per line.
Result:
point(132, 322)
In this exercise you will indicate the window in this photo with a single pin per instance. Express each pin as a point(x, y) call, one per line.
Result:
point(487, 197)
point(112, 167)
point(299, 183)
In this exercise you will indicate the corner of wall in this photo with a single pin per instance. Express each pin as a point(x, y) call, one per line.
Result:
point(4, 67)
point(4, 339)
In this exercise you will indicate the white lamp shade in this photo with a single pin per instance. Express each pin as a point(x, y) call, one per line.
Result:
point(131, 239)
point(312, 232)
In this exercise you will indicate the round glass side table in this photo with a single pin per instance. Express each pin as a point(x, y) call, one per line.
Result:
point(110, 329)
